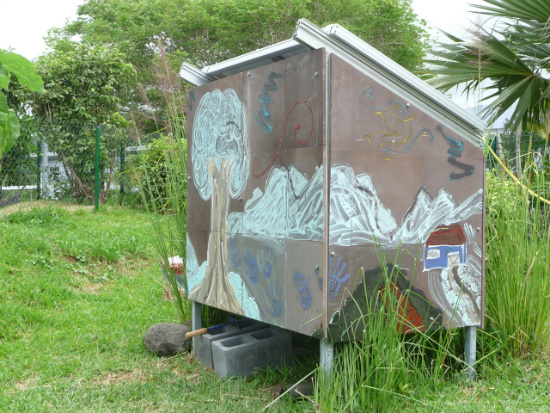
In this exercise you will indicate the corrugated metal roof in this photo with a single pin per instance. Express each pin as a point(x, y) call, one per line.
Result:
point(344, 44)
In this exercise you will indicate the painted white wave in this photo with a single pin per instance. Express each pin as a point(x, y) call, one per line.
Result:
point(358, 216)
point(291, 207)
point(426, 214)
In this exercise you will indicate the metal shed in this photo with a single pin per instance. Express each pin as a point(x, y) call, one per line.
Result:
point(308, 159)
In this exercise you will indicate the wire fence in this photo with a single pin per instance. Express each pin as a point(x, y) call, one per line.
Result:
point(57, 159)
point(519, 151)
point(88, 163)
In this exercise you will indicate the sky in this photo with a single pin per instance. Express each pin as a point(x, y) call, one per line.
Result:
point(25, 22)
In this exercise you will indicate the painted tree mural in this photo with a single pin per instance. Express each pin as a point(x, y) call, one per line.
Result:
point(220, 158)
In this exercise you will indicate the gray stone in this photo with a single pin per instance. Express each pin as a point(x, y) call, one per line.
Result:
point(167, 339)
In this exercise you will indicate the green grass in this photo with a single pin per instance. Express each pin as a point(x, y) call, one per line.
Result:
point(78, 290)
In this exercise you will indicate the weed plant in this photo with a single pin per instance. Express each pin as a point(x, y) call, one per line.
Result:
point(383, 369)
point(517, 267)
point(164, 186)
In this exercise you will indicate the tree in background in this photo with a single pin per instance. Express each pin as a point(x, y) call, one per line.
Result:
point(510, 61)
point(208, 31)
point(85, 87)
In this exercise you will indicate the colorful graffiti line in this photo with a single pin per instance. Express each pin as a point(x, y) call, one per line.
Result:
point(298, 127)
point(455, 151)
point(395, 134)
point(264, 117)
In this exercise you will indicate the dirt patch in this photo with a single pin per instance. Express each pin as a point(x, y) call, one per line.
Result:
point(26, 384)
point(120, 377)
point(28, 206)
point(92, 288)
point(69, 259)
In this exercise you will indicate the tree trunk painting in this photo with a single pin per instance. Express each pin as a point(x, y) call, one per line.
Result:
point(215, 289)
point(220, 171)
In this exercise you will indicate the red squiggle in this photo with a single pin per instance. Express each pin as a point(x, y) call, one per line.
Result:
point(296, 129)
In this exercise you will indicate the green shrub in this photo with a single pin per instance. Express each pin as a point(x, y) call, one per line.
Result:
point(148, 169)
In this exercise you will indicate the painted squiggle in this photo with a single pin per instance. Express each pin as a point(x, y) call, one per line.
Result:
point(256, 164)
point(455, 151)
point(264, 117)
point(395, 131)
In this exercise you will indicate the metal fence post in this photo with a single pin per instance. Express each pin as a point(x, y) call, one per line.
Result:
point(39, 173)
point(96, 197)
point(122, 150)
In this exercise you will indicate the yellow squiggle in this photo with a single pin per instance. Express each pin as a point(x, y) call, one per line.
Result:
point(390, 132)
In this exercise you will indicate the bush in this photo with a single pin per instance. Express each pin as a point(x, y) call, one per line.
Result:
point(148, 170)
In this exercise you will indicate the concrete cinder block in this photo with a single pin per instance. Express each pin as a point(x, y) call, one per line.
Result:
point(202, 345)
point(243, 354)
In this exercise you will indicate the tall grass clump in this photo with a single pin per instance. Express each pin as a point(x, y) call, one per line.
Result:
point(517, 266)
point(164, 187)
point(381, 368)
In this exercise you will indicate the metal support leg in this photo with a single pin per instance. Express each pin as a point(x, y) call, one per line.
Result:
point(470, 351)
point(327, 358)
point(195, 318)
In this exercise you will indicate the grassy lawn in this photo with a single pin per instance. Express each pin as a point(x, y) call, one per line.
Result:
point(78, 290)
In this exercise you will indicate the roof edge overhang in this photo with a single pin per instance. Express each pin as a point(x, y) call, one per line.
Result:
point(196, 77)
point(350, 48)
point(256, 58)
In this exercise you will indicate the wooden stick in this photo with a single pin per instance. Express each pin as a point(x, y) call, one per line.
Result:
point(198, 332)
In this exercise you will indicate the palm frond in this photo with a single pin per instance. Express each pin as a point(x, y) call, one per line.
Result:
point(510, 64)
point(537, 10)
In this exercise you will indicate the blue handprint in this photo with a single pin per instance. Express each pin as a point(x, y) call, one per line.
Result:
point(275, 294)
point(267, 261)
point(252, 266)
point(302, 287)
point(335, 278)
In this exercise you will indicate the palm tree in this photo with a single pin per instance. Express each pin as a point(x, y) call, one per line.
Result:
point(511, 61)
